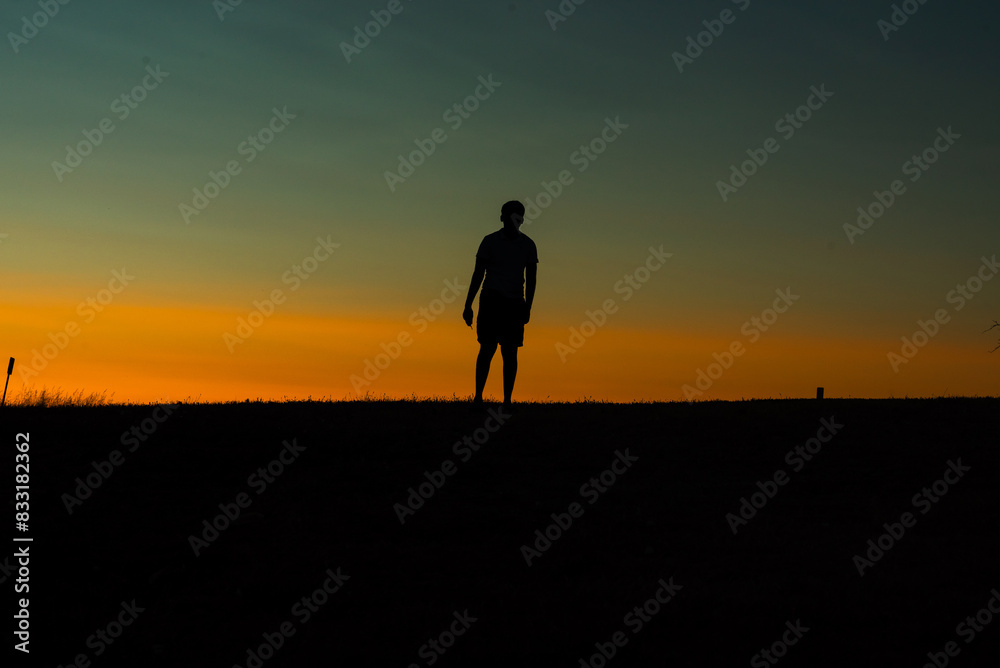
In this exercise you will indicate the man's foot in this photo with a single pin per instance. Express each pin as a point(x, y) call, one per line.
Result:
point(477, 404)
point(507, 407)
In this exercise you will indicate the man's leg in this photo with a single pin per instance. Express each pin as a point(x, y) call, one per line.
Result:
point(486, 352)
point(509, 353)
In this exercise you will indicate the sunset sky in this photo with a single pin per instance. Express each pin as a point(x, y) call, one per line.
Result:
point(115, 275)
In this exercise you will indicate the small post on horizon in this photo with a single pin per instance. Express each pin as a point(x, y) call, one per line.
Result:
point(819, 392)
point(10, 370)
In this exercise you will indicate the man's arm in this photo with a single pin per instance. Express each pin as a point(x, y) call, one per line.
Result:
point(477, 279)
point(531, 274)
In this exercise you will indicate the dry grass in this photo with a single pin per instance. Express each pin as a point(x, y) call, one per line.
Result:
point(51, 398)
point(46, 398)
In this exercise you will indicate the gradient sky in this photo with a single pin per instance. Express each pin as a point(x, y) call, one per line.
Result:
point(323, 176)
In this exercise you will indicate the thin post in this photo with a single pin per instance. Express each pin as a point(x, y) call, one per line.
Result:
point(10, 370)
point(819, 392)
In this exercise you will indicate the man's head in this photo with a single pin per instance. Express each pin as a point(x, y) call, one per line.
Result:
point(512, 215)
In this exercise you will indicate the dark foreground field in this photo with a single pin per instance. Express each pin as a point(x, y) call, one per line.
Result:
point(452, 587)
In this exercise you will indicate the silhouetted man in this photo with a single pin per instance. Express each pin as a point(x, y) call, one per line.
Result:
point(505, 258)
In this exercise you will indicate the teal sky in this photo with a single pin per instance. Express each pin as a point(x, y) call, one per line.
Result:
point(656, 184)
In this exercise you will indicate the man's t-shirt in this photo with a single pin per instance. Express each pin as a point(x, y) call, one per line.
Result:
point(506, 260)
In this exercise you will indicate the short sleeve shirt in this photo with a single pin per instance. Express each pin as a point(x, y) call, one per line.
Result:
point(506, 260)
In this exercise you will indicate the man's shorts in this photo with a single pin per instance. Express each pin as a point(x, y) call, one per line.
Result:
point(501, 319)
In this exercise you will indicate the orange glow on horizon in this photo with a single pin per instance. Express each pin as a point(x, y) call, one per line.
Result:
point(170, 353)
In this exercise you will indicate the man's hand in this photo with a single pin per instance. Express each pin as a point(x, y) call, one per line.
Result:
point(527, 314)
point(467, 315)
